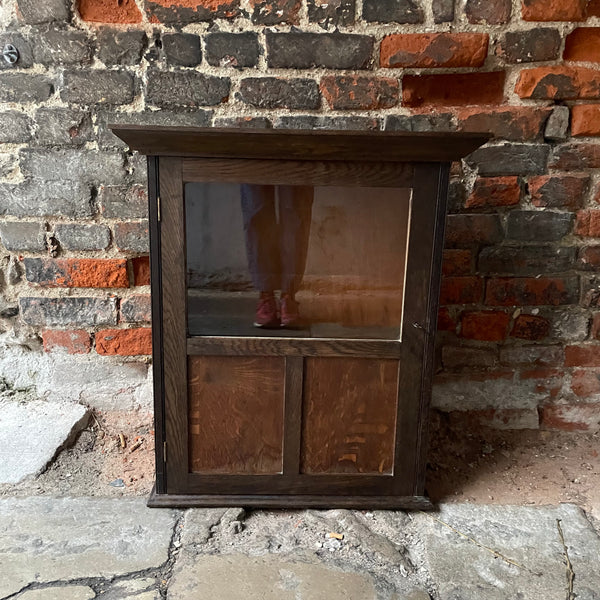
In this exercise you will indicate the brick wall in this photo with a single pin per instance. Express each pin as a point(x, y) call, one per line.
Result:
point(520, 321)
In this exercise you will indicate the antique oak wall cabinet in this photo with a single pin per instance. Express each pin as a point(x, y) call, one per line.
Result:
point(331, 409)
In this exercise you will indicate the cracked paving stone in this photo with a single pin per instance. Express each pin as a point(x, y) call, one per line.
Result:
point(68, 592)
point(132, 589)
point(44, 540)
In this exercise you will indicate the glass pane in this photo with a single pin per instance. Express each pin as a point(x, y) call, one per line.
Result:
point(296, 261)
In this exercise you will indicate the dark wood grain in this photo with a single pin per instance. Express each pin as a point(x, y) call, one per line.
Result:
point(348, 423)
point(236, 407)
point(302, 145)
point(294, 382)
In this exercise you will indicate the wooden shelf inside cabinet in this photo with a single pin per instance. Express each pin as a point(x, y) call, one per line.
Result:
point(295, 279)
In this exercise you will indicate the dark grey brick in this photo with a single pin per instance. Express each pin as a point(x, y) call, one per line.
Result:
point(526, 260)
point(538, 226)
point(329, 50)
point(182, 49)
point(427, 122)
point(274, 92)
point(17, 236)
point(14, 128)
point(114, 47)
point(68, 312)
point(319, 122)
point(22, 87)
point(490, 12)
point(8, 163)
point(393, 11)
point(232, 49)
point(249, 122)
point(61, 47)
point(272, 12)
point(132, 236)
point(457, 357)
point(557, 126)
point(14, 271)
point(186, 89)
point(136, 309)
point(23, 46)
point(46, 198)
point(83, 237)
point(510, 159)
point(46, 11)
point(332, 12)
point(443, 11)
point(63, 127)
point(538, 44)
point(180, 13)
point(92, 86)
point(124, 202)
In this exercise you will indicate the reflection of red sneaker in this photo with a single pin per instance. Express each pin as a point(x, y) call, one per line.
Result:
point(266, 311)
point(290, 314)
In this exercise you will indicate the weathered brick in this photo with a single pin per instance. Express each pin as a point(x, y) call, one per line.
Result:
point(77, 272)
point(331, 12)
point(490, 12)
point(276, 92)
point(123, 202)
point(116, 47)
point(557, 126)
point(553, 10)
point(186, 89)
point(532, 291)
point(585, 120)
point(510, 123)
point(587, 223)
point(272, 12)
point(533, 45)
point(17, 236)
point(579, 417)
point(443, 11)
point(73, 341)
point(460, 357)
point(299, 50)
point(34, 11)
point(8, 164)
point(454, 89)
point(585, 382)
point(40, 198)
point(595, 327)
point(583, 44)
point(539, 226)
point(466, 230)
point(63, 127)
point(509, 159)
point(83, 237)
point(62, 47)
point(247, 122)
point(558, 83)
point(485, 326)
point(14, 127)
point(124, 342)
point(103, 11)
point(22, 44)
point(590, 291)
point(141, 270)
point(445, 321)
point(22, 87)
point(136, 309)
point(352, 123)
point(457, 262)
point(190, 11)
point(428, 50)
point(360, 93)
point(182, 49)
point(461, 290)
point(420, 122)
point(489, 192)
point(575, 157)
point(582, 356)
point(526, 260)
point(92, 86)
point(559, 191)
point(527, 356)
point(68, 312)
point(132, 237)
point(393, 11)
point(568, 325)
point(530, 327)
point(589, 258)
point(237, 50)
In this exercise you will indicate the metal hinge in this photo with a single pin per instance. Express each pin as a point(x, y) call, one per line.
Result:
point(158, 208)
point(165, 452)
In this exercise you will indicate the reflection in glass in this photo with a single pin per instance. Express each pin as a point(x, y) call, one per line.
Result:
point(296, 261)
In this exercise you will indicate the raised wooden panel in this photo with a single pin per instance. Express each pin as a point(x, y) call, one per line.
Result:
point(236, 408)
point(349, 415)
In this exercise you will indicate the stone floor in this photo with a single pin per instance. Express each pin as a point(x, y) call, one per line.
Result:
point(117, 549)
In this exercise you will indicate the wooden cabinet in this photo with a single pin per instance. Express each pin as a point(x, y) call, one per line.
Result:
point(328, 409)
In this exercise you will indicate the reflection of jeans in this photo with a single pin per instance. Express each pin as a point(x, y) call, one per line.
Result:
point(277, 250)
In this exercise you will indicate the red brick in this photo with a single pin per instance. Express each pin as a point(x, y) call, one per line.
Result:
point(593, 8)
point(188, 11)
point(510, 123)
point(583, 44)
point(589, 257)
point(553, 10)
point(491, 12)
point(559, 191)
point(530, 327)
point(582, 356)
point(486, 326)
point(576, 157)
point(595, 330)
point(460, 89)
point(585, 120)
point(78, 272)
point(461, 290)
point(445, 321)
point(428, 50)
point(109, 11)
point(494, 191)
point(585, 382)
point(466, 230)
point(587, 223)
point(124, 342)
point(532, 291)
point(457, 262)
point(578, 417)
point(558, 83)
point(360, 93)
point(75, 341)
point(141, 270)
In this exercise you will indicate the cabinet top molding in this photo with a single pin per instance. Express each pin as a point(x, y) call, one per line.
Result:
point(286, 144)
